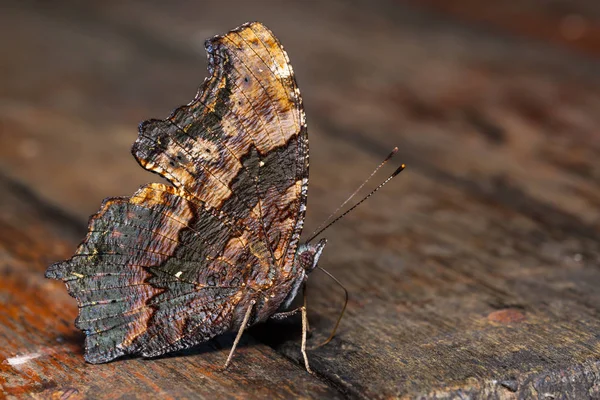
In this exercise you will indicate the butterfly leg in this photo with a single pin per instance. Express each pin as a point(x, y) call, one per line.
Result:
point(304, 331)
point(305, 328)
point(240, 332)
point(286, 314)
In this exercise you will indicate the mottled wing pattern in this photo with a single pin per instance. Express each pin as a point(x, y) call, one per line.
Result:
point(173, 266)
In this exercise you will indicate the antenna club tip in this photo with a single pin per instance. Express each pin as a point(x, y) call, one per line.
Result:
point(394, 151)
point(400, 169)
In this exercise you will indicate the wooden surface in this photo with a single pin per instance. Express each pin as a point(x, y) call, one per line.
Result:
point(473, 275)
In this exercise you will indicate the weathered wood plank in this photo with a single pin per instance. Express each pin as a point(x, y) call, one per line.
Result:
point(573, 24)
point(474, 273)
point(42, 354)
point(498, 219)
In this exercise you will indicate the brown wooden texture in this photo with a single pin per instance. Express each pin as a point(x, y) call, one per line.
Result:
point(474, 274)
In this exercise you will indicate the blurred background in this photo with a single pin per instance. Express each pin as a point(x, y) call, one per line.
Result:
point(494, 105)
point(470, 87)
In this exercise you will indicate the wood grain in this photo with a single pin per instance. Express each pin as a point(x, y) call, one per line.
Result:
point(473, 274)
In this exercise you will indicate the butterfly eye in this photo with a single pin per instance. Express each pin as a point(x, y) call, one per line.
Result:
point(246, 79)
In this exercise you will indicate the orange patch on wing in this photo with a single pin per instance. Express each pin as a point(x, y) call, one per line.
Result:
point(137, 327)
point(176, 215)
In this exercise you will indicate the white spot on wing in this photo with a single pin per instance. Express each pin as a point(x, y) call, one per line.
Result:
point(281, 71)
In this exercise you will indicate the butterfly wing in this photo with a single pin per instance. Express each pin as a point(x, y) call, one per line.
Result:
point(173, 266)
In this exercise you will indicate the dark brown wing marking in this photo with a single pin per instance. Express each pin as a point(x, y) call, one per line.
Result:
point(172, 266)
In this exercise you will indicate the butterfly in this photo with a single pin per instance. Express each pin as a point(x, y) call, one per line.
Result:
point(217, 249)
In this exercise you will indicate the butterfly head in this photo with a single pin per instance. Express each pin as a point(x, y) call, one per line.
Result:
point(308, 254)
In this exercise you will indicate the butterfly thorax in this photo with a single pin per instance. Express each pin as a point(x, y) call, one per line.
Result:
point(280, 296)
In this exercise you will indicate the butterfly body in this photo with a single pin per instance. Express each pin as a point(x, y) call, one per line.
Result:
point(176, 264)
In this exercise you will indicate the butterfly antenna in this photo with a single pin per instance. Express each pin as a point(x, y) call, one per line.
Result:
point(392, 176)
point(394, 151)
point(341, 314)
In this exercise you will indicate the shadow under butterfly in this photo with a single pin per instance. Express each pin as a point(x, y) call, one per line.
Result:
point(218, 249)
